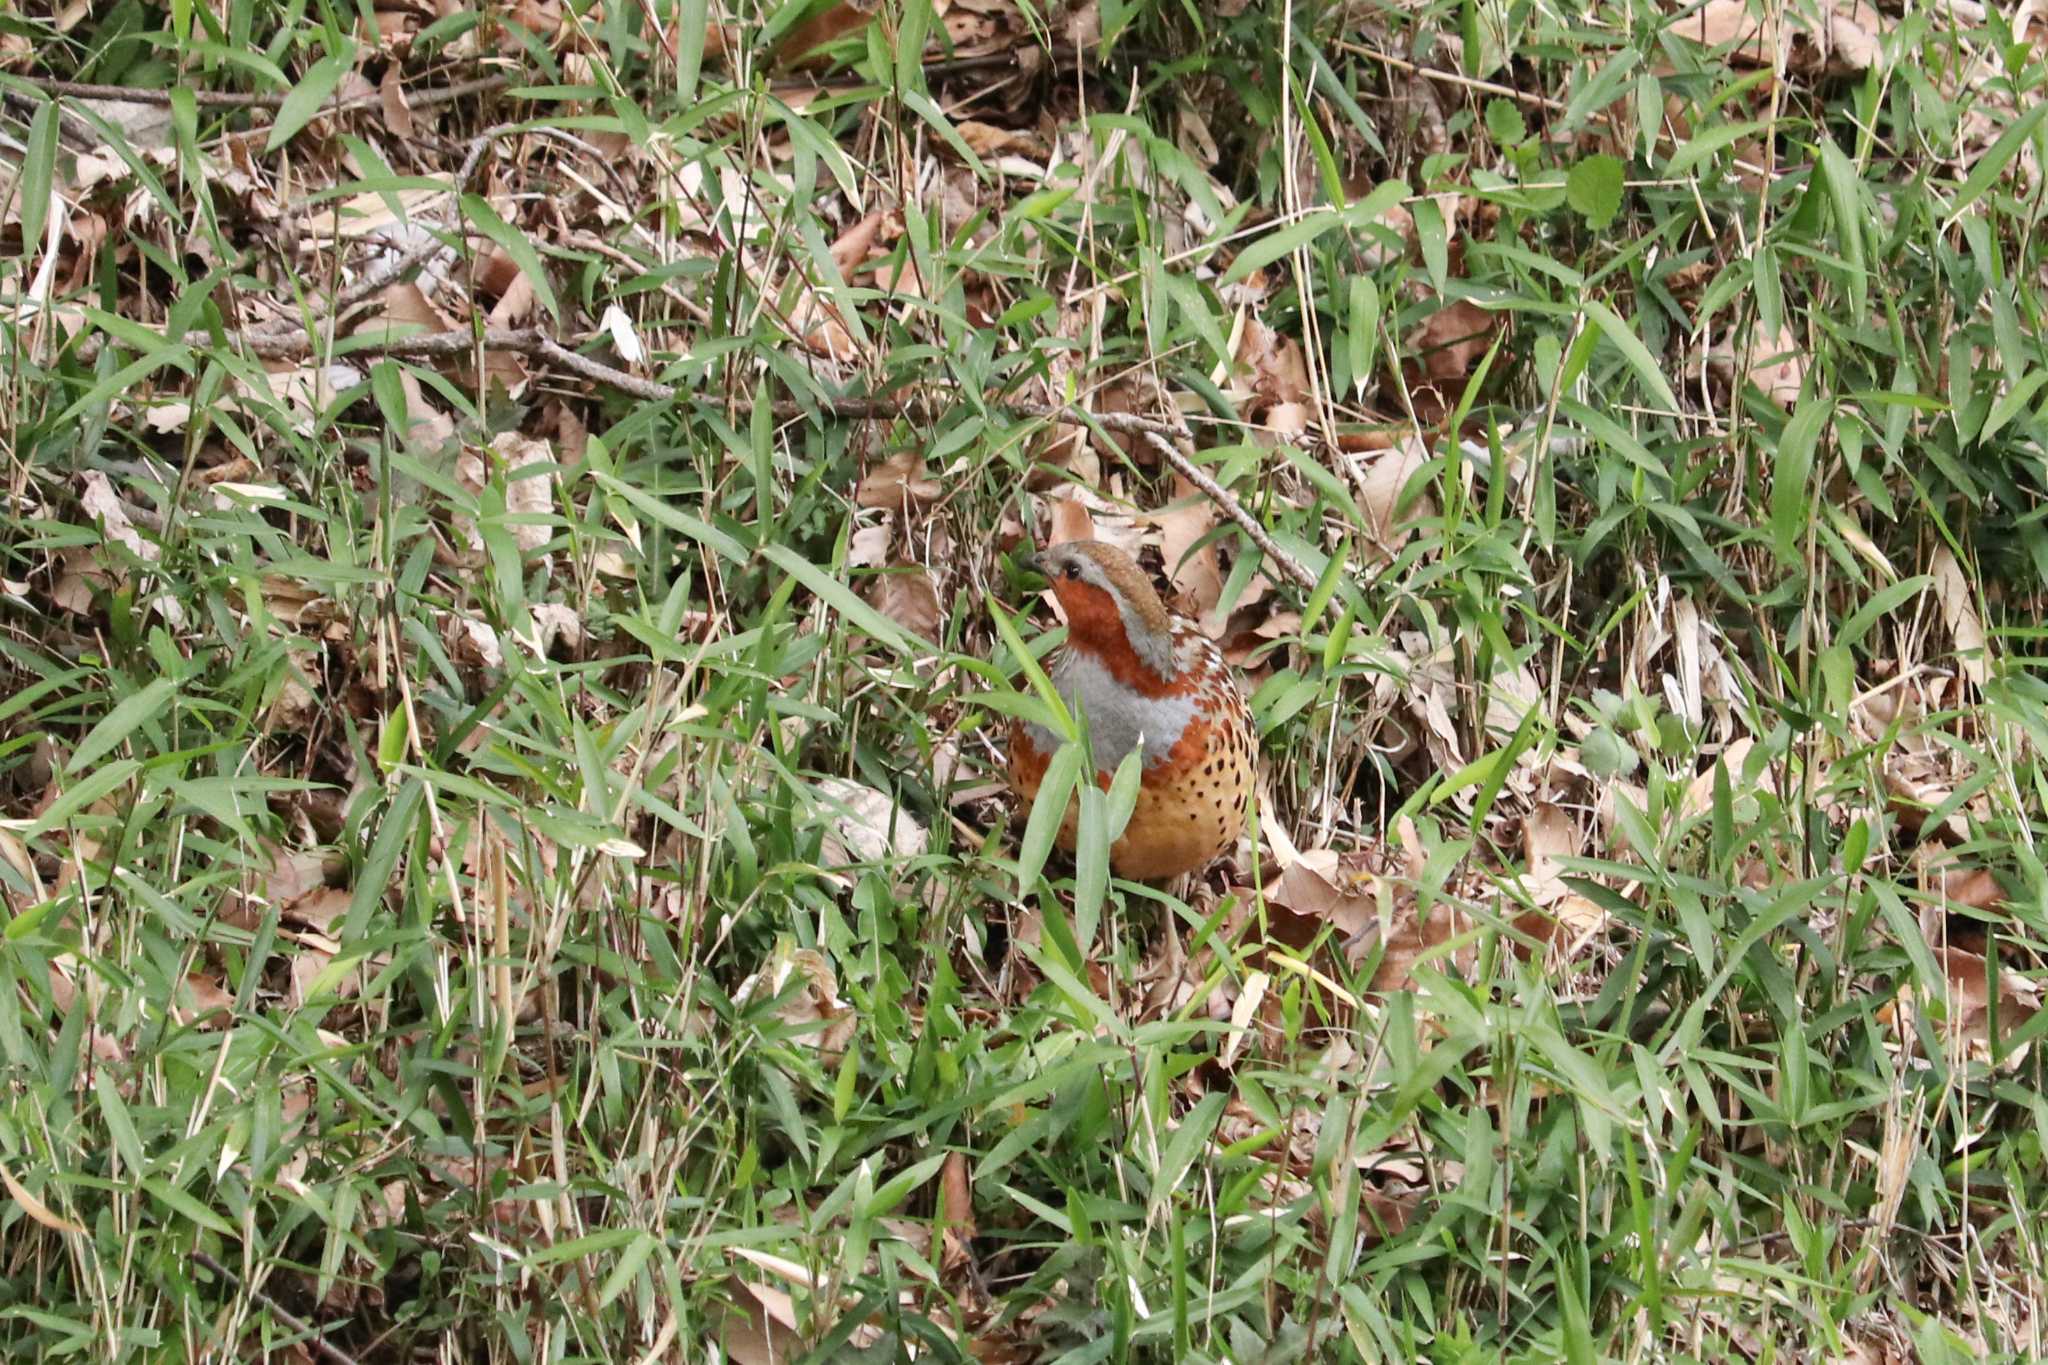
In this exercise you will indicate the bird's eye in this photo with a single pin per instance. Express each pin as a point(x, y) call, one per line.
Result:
point(1069, 572)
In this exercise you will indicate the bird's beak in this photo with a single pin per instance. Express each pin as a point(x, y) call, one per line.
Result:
point(1030, 564)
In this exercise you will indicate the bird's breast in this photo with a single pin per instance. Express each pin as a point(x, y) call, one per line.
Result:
point(1120, 719)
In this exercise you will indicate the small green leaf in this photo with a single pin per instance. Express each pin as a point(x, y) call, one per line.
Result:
point(1705, 145)
point(306, 98)
point(1363, 330)
point(1048, 809)
point(1504, 122)
point(1433, 239)
point(1992, 164)
point(846, 602)
point(1791, 510)
point(1594, 189)
point(1272, 247)
point(1845, 194)
point(38, 170)
point(628, 1268)
point(119, 723)
point(391, 743)
point(182, 1203)
point(486, 218)
point(1091, 860)
point(1634, 351)
point(1606, 754)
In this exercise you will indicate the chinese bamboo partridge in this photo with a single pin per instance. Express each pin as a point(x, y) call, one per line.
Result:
point(1144, 679)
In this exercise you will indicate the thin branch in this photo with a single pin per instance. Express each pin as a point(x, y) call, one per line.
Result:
point(291, 1320)
point(235, 99)
point(1233, 509)
point(384, 273)
point(533, 341)
point(75, 132)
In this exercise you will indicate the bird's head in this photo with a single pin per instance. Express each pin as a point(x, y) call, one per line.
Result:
point(1112, 610)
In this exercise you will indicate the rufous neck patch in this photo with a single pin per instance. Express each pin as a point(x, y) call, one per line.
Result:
point(1095, 625)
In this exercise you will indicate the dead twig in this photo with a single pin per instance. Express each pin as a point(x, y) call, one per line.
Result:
point(533, 341)
point(292, 1321)
point(1232, 508)
point(387, 272)
point(235, 99)
point(74, 131)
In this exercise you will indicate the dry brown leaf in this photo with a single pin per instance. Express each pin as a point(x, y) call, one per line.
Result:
point(1974, 887)
point(1247, 632)
point(1699, 793)
point(1852, 28)
point(556, 623)
point(1441, 353)
point(294, 711)
point(1578, 915)
point(815, 1003)
point(1384, 475)
point(827, 26)
point(1959, 612)
point(898, 484)
point(907, 597)
point(867, 826)
point(319, 909)
point(395, 30)
point(1775, 364)
point(307, 966)
point(901, 277)
point(868, 547)
point(1071, 521)
point(1414, 936)
point(515, 305)
point(1275, 364)
point(362, 215)
point(15, 854)
point(987, 140)
point(1969, 982)
point(391, 98)
point(101, 503)
point(1350, 890)
point(144, 127)
point(297, 873)
point(758, 1327)
point(204, 999)
point(1548, 835)
point(1241, 1016)
point(531, 497)
point(1843, 42)
point(34, 1207)
point(854, 244)
point(79, 576)
point(1197, 578)
point(472, 643)
point(956, 1195)
point(1287, 419)
point(404, 310)
point(63, 990)
point(1720, 22)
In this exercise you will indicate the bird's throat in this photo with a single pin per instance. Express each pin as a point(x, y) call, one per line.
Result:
point(1113, 653)
point(1098, 626)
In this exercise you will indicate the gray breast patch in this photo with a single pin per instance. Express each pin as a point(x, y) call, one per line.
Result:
point(1118, 719)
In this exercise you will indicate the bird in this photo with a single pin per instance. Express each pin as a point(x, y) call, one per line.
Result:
point(1144, 679)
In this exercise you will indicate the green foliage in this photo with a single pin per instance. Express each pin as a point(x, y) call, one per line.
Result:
point(381, 958)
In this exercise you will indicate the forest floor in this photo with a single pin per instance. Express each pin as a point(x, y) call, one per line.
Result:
point(511, 598)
